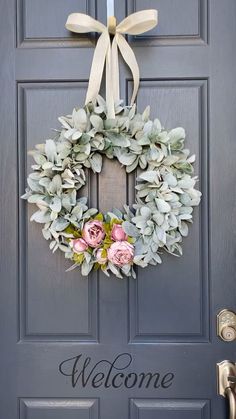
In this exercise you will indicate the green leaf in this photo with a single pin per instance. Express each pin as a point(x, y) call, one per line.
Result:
point(60, 224)
point(135, 147)
point(169, 160)
point(50, 150)
point(162, 205)
point(90, 212)
point(80, 119)
point(138, 260)
point(32, 199)
point(64, 122)
point(63, 248)
point(48, 165)
point(72, 230)
point(177, 145)
point(39, 158)
point(171, 180)
point(146, 114)
point(86, 268)
point(109, 124)
point(96, 162)
point(183, 229)
point(142, 161)
point(55, 185)
point(185, 167)
point(41, 217)
point(149, 176)
point(78, 258)
point(104, 253)
point(118, 140)
point(176, 134)
point(34, 186)
point(99, 217)
point(114, 270)
point(186, 182)
point(97, 122)
point(126, 158)
point(46, 234)
point(144, 140)
point(76, 135)
point(96, 266)
point(145, 212)
point(157, 125)
point(55, 204)
point(133, 166)
point(114, 219)
point(117, 213)
point(130, 229)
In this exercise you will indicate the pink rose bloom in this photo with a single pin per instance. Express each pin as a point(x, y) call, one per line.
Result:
point(93, 233)
point(79, 245)
point(99, 259)
point(118, 233)
point(121, 253)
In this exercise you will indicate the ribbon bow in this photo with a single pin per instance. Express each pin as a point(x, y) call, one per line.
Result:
point(106, 51)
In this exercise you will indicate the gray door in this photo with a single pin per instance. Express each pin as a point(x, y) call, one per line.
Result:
point(74, 348)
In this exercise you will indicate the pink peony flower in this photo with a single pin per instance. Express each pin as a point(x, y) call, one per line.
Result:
point(99, 259)
point(79, 245)
point(121, 253)
point(93, 233)
point(118, 233)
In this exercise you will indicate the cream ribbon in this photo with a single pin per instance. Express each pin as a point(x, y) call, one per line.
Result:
point(106, 51)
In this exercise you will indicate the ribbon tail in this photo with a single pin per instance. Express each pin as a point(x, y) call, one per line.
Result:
point(95, 78)
point(115, 70)
point(129, 57)
point(109, 86)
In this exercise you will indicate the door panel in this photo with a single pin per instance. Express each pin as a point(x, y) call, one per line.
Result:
point(177, 103)
point(184, 409)
point(159, 331)
point(181, 21)
point(42, 23)
point(58, 409)
point(43, 295)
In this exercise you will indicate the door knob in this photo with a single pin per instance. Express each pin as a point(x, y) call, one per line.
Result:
point(226, 374)
point(228, 333)
point(226, 325)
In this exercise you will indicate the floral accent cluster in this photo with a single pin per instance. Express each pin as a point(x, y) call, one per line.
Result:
point(165, 197)
point(104, 244)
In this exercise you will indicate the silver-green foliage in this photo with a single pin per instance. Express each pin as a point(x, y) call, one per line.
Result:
point(165, 188)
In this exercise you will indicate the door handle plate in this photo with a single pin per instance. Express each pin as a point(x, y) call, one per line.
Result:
point(226, 325)
point(226, 374)
point(226, 378)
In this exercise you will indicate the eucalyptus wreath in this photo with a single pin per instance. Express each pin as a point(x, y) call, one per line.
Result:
point(165, 189)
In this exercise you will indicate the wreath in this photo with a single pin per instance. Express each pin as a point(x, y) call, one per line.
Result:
point(117, 241)
point(165, 187)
